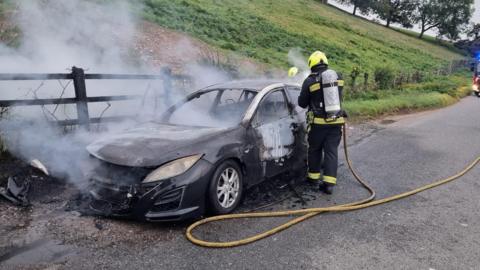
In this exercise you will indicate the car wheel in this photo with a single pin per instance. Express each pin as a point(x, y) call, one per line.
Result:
point(226, 188)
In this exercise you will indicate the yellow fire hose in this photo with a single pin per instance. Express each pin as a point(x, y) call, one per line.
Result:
point(310, 212)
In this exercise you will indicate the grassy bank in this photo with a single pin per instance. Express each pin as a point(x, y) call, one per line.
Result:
point(435, 93)
point(266, 30)
point(430, 39)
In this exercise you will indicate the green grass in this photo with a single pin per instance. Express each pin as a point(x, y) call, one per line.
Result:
point(432, 40)
point(395, 104)
point(436, 93)
point(267, 29)
point(3, 7)
point(9, 34)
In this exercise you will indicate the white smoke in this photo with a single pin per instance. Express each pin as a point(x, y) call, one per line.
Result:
point(63, 154)
point(297, 59)
point(98, 36)
point(57, 35)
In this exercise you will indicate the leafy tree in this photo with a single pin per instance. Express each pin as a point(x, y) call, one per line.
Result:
point(364, 6)
point(448, 16)
point(395, 11)
point(429, 14)
point(456, 20)
point(474, 31)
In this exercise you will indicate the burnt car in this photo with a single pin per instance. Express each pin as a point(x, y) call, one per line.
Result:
point(201, 154)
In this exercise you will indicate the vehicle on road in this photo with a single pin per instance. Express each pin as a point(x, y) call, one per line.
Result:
point(202, 154)
point(476, 77)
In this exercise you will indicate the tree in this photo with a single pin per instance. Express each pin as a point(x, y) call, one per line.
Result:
point(395, 11)
point(456, 20)
point(364, 6)
point(429, 14)
point(474, 31)
point(448, 16)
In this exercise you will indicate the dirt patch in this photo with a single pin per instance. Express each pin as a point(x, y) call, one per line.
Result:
point(160, 47)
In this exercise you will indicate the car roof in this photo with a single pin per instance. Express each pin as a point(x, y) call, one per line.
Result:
point(255, 85)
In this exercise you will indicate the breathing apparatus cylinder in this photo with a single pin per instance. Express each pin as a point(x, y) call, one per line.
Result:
point(331, 93)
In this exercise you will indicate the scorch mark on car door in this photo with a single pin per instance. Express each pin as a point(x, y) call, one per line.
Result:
point(277, 140)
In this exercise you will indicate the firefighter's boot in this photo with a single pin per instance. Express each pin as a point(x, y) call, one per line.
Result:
point(326, 188)
point(313, 184)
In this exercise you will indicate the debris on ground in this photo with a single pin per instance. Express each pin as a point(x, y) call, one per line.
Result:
point(39, 165)
point(17, 191)
point(18, 186)
point(79, 204)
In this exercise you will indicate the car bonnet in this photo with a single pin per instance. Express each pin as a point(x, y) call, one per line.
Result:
point(150, 145)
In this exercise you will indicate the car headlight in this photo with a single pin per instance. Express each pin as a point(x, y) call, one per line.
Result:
point(172, 169)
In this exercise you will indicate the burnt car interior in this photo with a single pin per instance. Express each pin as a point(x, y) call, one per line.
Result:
point(272, 108)
point(212, 108)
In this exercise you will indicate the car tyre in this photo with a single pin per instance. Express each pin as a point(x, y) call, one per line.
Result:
point(226, 188)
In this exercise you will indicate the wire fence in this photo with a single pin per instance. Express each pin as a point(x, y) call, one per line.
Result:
point(387, 78)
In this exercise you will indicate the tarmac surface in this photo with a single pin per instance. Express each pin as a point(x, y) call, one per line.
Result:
point(437, 229)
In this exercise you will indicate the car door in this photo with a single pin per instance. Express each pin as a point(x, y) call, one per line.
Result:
point(274, 127)
point(299, 155)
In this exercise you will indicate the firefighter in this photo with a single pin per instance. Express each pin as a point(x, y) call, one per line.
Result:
point(321, 94)
point(292, 72)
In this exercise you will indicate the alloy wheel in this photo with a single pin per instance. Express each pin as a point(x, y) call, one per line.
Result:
point(228, 187)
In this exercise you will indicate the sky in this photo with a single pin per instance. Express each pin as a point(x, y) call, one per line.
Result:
point(475, 18)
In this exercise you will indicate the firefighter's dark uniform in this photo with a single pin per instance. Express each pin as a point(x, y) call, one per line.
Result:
point(324, 134)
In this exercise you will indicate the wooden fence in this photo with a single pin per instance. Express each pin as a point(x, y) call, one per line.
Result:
point(81, 99)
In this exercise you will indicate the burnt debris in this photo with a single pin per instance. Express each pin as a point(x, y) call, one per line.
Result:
point(17, 190)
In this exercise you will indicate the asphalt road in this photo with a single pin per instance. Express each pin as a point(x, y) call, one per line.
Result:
point(437, 229)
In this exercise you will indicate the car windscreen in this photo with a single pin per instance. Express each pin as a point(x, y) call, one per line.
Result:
point(212, 108)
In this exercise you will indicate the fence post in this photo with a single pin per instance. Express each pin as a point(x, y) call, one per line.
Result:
point(365, 81)
point(83, 117)
point(167, 85)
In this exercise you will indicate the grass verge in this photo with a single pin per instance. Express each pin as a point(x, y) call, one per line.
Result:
point(414, 97)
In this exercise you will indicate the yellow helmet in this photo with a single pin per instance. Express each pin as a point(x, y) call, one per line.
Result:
point(316, 58)
point(292, 72)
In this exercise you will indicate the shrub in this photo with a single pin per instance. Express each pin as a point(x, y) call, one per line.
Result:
point(384, 77)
